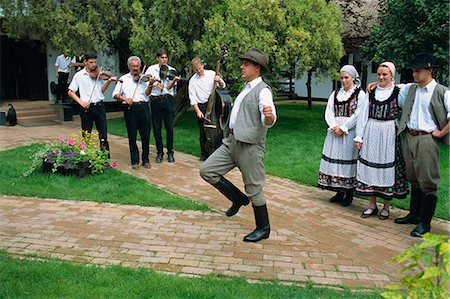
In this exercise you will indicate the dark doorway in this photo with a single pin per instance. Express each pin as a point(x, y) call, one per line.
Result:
point(23, 70)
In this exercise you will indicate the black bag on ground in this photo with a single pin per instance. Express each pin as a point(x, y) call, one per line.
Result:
point(11, 116)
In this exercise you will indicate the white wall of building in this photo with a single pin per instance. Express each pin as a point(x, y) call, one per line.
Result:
point(109, 62)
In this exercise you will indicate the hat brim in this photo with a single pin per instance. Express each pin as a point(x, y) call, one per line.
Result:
point(252, 60)
point(424, 66)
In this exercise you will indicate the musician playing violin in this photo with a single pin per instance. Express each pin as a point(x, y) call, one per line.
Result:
point(162, 104)
point(243, 146)
point(91, 88)
point(200, 88)
point(133, 90)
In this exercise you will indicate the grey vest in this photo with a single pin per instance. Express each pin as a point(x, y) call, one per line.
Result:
point(437, 109)
point(248, 127)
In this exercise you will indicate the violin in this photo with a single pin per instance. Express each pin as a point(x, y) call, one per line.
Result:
point(98, 73)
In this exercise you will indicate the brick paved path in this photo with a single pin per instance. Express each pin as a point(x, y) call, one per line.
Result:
point(311, 239)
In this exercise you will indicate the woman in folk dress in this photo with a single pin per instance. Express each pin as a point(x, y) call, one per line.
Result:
point(339, 156)
point(380, 168)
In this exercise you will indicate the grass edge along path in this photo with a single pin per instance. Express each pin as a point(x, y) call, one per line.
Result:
point(28, 276)
point(113, 186)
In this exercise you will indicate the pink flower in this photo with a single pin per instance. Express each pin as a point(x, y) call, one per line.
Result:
point(113, 164)
point(106, 164)
point(61, 138)
point(70, 142)
point(82, 144)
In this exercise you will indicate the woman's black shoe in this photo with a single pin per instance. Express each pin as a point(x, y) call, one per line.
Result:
point(373, 213)
point(338, 197)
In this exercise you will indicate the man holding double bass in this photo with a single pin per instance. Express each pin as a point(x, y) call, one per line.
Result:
point(244, 145)
point(200, 89)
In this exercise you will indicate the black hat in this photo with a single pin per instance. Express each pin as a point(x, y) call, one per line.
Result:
point(257, 56)
point(423, 61)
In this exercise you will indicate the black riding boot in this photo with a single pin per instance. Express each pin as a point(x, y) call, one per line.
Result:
point(348, 198)
point(427, 207)
point(414, 208)
point(262, 230)
point(338, 197)
point(232, 193)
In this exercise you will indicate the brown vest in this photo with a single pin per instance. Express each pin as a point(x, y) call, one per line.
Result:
point(437, 109)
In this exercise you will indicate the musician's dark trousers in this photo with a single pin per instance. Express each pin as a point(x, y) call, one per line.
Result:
point(204, 152)
point(137, 118)
point(96, 113)
point(162, 110)
point(61, 94)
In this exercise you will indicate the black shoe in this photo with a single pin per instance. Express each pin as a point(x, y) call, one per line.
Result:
point(420, 230)
point(262, 230)
point(258, 234)
point(367, 214)
point(383, 217)
point(408, 219)
point(338, 196)
point(170, 158)
point(233, 193)
point(348, 198)
point(159, 158)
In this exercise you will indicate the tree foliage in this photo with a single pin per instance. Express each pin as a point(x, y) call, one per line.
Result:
point(297, 35)
point(71, 26)
point(409, 27)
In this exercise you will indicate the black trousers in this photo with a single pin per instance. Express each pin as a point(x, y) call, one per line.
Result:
point(137, 118)
point(200, 121)
point(95, 114)
point(61, 94)
point(162, 110)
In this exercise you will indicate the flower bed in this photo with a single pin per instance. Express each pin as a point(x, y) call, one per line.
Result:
point(73, 156)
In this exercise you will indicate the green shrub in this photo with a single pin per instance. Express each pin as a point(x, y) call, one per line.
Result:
point(427, 270)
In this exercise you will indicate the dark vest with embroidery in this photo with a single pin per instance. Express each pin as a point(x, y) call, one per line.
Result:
point(347, 107)
point(384, 110)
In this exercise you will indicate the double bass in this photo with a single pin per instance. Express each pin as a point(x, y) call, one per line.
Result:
point(217, 111)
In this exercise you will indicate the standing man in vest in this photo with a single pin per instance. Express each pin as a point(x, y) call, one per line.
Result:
point(63, 65)
point(91, 90)
point(133, 91)
point(162, 105)
point(426, 110)
point(244, 145)
point(200, 88)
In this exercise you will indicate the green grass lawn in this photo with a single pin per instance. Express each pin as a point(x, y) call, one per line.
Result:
point(294, 147)
point(57, 279)
point(112, 186)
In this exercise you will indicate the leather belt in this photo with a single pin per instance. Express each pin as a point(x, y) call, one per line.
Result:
point(139, 103)
point(163, 97)
point(416, 133)
point(97, 103)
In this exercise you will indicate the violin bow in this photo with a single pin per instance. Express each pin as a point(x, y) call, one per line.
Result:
point(137, 84)
point(95, 83)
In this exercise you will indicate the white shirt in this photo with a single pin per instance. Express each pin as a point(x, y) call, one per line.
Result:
point(420, 118)
point(63, 63)
point(343, 96)
point(200, 87)
point(82, 81)
point(265, 99)
point(154, 71)
point(381, 95)
point(130, 89)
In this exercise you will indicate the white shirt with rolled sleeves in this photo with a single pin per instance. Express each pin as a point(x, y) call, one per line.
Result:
point(154, 71)
point(63, 63)
point(127, 88)
point(343, 96)
point(200, 87)
point(265, 99)
point(420, 118)
point(83, 82)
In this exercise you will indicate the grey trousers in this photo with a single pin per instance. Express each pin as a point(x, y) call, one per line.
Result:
point(250, 160)
point(421, 154)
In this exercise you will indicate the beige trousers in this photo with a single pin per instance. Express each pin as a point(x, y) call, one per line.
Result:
point(249, 158)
